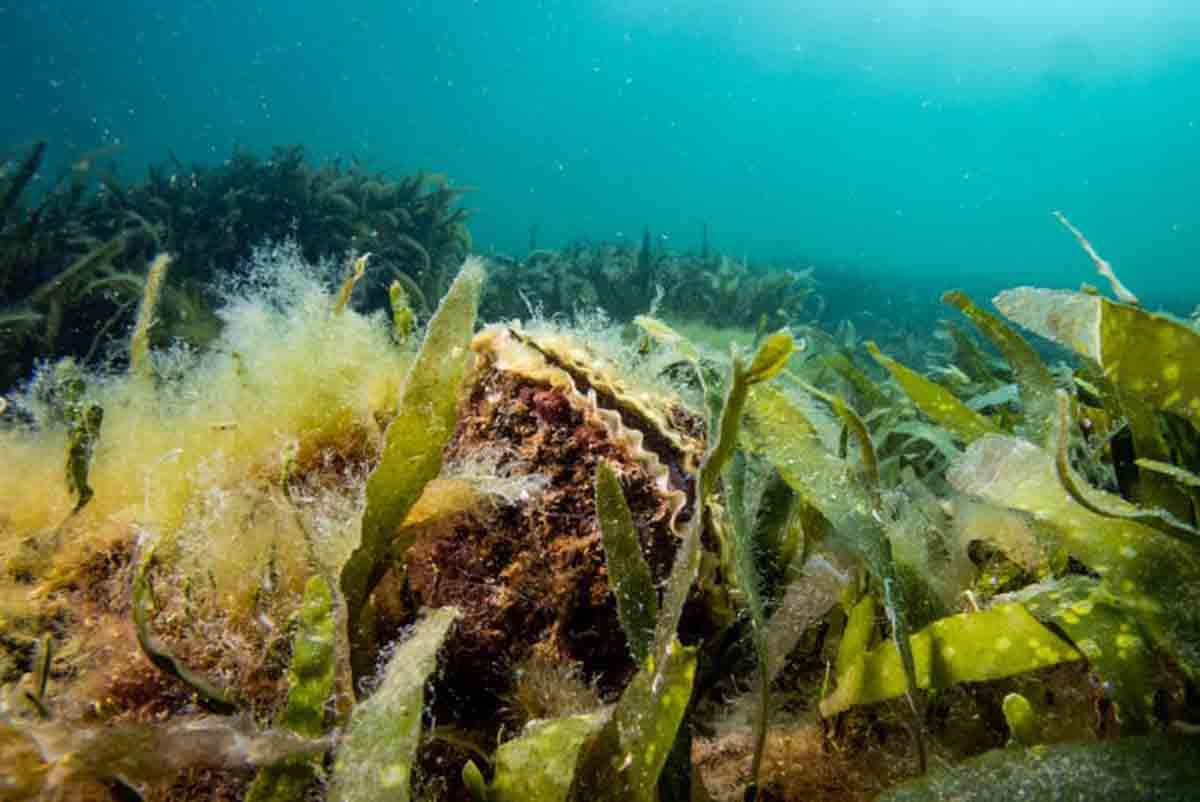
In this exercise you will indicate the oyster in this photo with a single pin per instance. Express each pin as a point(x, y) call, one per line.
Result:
point(529, 572)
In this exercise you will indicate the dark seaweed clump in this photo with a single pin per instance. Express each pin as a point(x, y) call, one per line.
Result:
point(627, 280)
point(73, 259)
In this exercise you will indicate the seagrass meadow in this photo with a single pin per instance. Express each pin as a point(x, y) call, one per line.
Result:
point(624, 401)
point(420, 524)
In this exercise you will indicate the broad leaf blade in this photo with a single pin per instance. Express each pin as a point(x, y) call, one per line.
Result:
point(413, 445)
point(375, 760)
point(623, 761)
point(628, 573)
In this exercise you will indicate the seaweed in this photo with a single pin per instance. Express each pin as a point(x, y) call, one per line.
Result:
point(936, 402)
point(969, 647)
point(139, 345)
point(624, 759)
point(1151, 768)
point(1102, 266)
point(412, 449)
point(869, 394)
point(749, 582)
point(1146, 354)
point(310, 681)
point(1022, 721)
point(629, 575)
point(91, 227)
point(358, 268)
point(1109, 638)
point(781, 433)
point(619, 278)
point(209, 694)
point(1145, 573)
point(1033, 377)
point(55, 758)
point(539, 765)
point(403, 319)
point(375, 757)
point(82, 436)
point(16, 185)
point(915, 558)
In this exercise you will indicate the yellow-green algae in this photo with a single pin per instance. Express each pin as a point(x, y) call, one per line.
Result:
point(1150, 355)
point(1023, 729)
point(935, 401)
point(621, 753)
point(310, 684)
point(375, 757)
point(969, 647)
point(539, 765)
point(628, 573)
point(412, 449)
point(1109, 637)
point(1146, 573)
point(1032, 375)
point(622, 761)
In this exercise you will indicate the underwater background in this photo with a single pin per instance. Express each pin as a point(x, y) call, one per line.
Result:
point(920, 143)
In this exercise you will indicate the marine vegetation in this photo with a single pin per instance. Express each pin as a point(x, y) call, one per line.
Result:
point(341, 554)
point(621, 278)
point(74, 256)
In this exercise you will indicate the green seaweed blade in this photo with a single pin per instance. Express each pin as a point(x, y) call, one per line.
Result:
point(1146, 769)
point(1032, 375)
point(1150, 575)
point(1109, 637)
point(969, 647)
point(750, 583)
point(770, 359)
point(209, 694)
point(413, 445)
point(628, 573)
point(1152, 356)
point(623, 760)
point(779, 432)
point(539, 766)
point(310, 679)
point(869, 394)
point(935, 401)
point(375, 759)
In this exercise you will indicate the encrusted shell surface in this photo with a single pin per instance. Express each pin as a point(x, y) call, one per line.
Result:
point(658, 430)
point(530, 574)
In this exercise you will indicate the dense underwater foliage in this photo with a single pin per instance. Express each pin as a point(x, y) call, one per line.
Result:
point(356, 544)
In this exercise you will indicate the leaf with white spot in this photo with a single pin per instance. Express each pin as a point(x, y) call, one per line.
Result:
point(971, 647)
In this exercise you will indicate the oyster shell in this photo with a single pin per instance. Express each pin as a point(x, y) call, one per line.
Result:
point(529, 574)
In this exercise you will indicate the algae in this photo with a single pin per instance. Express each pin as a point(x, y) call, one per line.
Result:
point(1148, 768)
point(938, 403)
point(826, 548)
point(969, 647)
point(375, 757)
point(311, 682)
point(139, 345)
point(1147, 354)
point(623, 760)
point(539, 765)
point(1146, 573)
point(1033, 377)
point(412, 450)
point(209, 694)
point(629, 575)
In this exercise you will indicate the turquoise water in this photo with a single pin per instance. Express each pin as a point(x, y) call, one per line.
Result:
point(919, 141)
